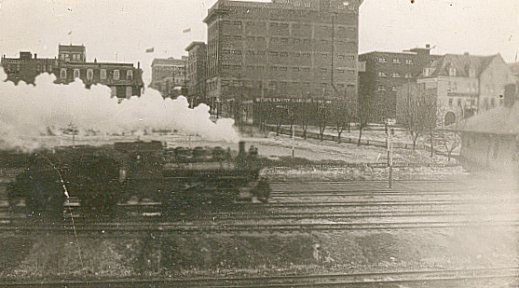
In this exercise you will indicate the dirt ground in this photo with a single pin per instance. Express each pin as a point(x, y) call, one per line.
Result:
point(52, 256)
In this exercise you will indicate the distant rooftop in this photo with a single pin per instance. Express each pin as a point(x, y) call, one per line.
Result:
point(169, 61)
point(193, 44)
point(498, 121)
point(462, 64)
point(315, 5)
point(72, 48)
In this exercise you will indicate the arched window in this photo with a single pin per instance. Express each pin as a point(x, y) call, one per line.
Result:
point(90, 74)
point(63, 73)
point(450, 118)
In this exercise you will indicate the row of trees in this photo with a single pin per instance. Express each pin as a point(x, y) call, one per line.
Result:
point(421, 118)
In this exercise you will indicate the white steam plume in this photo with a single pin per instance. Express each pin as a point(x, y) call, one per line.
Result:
point(28, 111)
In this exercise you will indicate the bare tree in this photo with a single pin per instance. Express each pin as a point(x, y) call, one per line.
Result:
point(302, 115)
point(322, 118)
point(450, 141)
point(342, 114)
point(420, 113)
point(364, 115)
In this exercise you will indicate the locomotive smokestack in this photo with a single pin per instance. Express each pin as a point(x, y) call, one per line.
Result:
point(241, 148)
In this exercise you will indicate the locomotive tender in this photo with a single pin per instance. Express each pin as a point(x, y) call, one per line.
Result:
point(102, 177)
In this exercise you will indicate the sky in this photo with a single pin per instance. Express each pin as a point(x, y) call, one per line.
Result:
point(122, 30)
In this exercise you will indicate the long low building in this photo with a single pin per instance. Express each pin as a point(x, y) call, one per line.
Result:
point(123, 78)
point(491, 139)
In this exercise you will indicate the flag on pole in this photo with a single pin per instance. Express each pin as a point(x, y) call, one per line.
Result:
point(150, 50)
point(186, 30)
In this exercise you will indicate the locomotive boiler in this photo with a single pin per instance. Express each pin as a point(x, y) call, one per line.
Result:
point(102, 177)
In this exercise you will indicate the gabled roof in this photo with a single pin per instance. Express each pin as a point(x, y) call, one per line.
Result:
point(498, 121)
point(462, 64)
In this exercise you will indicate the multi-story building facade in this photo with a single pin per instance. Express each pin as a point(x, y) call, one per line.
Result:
point(26, 67)
point(123, 79)
point(384, 73)
point(168, 76)
point(465, 84)
point(196, 72)
point(264, 54)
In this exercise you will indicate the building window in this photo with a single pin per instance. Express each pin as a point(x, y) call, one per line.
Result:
point(472, 73)
point(382, 74)
point(236, 52)
point(408, 75)
point(381, 88)
point(396, 61)
point(409, 61)
point(76, 73)
point(450, 118)
point(394, 88)
point(116, 75)
point(283, 54)
point(382, 60)
point(450, 101)
point(103, 74)
point(452, 72)
point(63, 73)
point(459, 102)
point(396, 75)
point(283, 68)
point(129, 75)
point(129, 91)
point(427, 72)
point(90, 74)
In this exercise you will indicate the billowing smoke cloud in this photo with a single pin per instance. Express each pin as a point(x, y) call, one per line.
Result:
point(28, 111)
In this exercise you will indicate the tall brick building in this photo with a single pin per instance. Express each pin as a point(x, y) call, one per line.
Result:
point(285, 51)
point(196, 72)
point(385, 72)
point(123, 79)
point(168, 76)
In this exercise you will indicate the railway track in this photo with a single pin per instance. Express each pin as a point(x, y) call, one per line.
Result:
point(426, 278)
point(215, 227)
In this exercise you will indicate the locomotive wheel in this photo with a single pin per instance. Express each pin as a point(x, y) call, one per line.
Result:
point(99, 203)
point(42, 203)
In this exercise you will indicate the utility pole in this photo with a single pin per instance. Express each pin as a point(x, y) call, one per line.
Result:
point(389, 132)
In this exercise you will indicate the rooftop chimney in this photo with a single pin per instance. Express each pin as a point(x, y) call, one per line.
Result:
point(35, 56)
point(428, 46)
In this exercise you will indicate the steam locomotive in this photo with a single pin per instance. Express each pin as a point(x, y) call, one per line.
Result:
point(102, 177)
